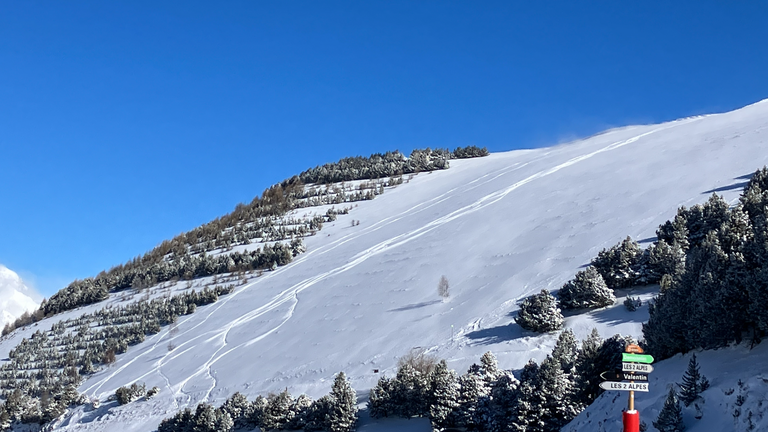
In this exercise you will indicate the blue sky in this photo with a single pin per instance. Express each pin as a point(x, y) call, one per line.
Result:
point(126, 123)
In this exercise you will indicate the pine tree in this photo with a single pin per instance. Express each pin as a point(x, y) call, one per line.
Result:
point(671, 416)
point(380, 399)
point(444, 391)
point(556, 389)
point(239, 410)
point(489, 369)
point(258, 409)
point(664, 258)
point(565, 351)
point(342, 412)
point(619, 264)
point(472, 388)
point(540, 313)
point(529, 403)
point(503, 396)
point(409, 392)
point(222, 422)
point(587, 290)
point(205, 418)
point(693, 382)
point(300, 410)
point(318, 415)
point(183, 421)
point(5, 418)
point(278, 411)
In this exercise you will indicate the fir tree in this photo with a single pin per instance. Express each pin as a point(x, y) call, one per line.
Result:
point(540, 313)
point(278, 411)
point(587, 290)
point(300, 410)
point(664, 258)
point(342, 412)
point(380, 399)
point(671, 416)
point(318, 415)
point(619, 264)
point(556, 389)
point(565, 351)
point(205, 418)
point(409, 392)
point(529, 402)
point(258, 410)
point(489, 369)
point(693, 382)
point(5, 418)
point(239, 410)
point(587, 375)
point(504, 397)
point(472, 388)
point(444, 395)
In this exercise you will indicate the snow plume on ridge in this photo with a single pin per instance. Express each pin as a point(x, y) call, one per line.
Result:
point(15, 297)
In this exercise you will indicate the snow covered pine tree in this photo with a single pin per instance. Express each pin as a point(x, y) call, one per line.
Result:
point(540, 313)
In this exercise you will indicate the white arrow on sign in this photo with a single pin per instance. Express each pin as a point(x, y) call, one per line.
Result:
point(636, 367)
point(624, 386)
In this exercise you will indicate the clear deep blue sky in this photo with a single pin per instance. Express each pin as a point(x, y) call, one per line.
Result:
point(125, 123)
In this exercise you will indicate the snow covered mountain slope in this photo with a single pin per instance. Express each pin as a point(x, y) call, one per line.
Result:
point(499, 228)
point(14, 296)
point(735, 400)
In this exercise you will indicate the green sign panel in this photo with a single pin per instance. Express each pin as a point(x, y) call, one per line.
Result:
point(636, 358)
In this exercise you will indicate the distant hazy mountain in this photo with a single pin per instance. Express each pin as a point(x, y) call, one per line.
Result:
point(14, 296)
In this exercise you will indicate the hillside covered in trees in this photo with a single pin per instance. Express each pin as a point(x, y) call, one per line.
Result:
point(368, 289)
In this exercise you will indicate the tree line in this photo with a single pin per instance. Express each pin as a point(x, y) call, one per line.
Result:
point(263, 220)
point(40, 380)
point(543, 398)
point(711, 261)
point(334, 412)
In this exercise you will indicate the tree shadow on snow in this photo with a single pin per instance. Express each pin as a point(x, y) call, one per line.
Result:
point(619, 314)
point(726, 188)
point(496, 334)
point(415, 306)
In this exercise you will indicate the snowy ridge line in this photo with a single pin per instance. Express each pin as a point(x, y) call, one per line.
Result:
point(292, 292)
point(283, 297)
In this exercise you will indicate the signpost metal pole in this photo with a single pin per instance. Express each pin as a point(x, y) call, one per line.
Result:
point(634, 368)
point(630, 417)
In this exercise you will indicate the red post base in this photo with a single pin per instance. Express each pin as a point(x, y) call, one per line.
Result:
point(631, 421)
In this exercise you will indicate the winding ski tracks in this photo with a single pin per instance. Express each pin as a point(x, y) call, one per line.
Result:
point(291, 294)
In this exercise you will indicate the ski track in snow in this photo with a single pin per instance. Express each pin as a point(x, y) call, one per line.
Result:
point(291, 294)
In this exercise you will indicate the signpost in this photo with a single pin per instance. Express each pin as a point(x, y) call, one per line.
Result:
point(624, 386)
point(636, 358)
point(634, 367)
point(622, 376)
point(637, 368)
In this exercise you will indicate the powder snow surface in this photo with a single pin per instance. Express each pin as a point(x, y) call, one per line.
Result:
point(500, 228)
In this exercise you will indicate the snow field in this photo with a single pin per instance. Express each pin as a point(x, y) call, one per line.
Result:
point(499, 228)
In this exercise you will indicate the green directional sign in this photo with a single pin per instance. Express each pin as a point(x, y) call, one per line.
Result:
point(636, 358)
